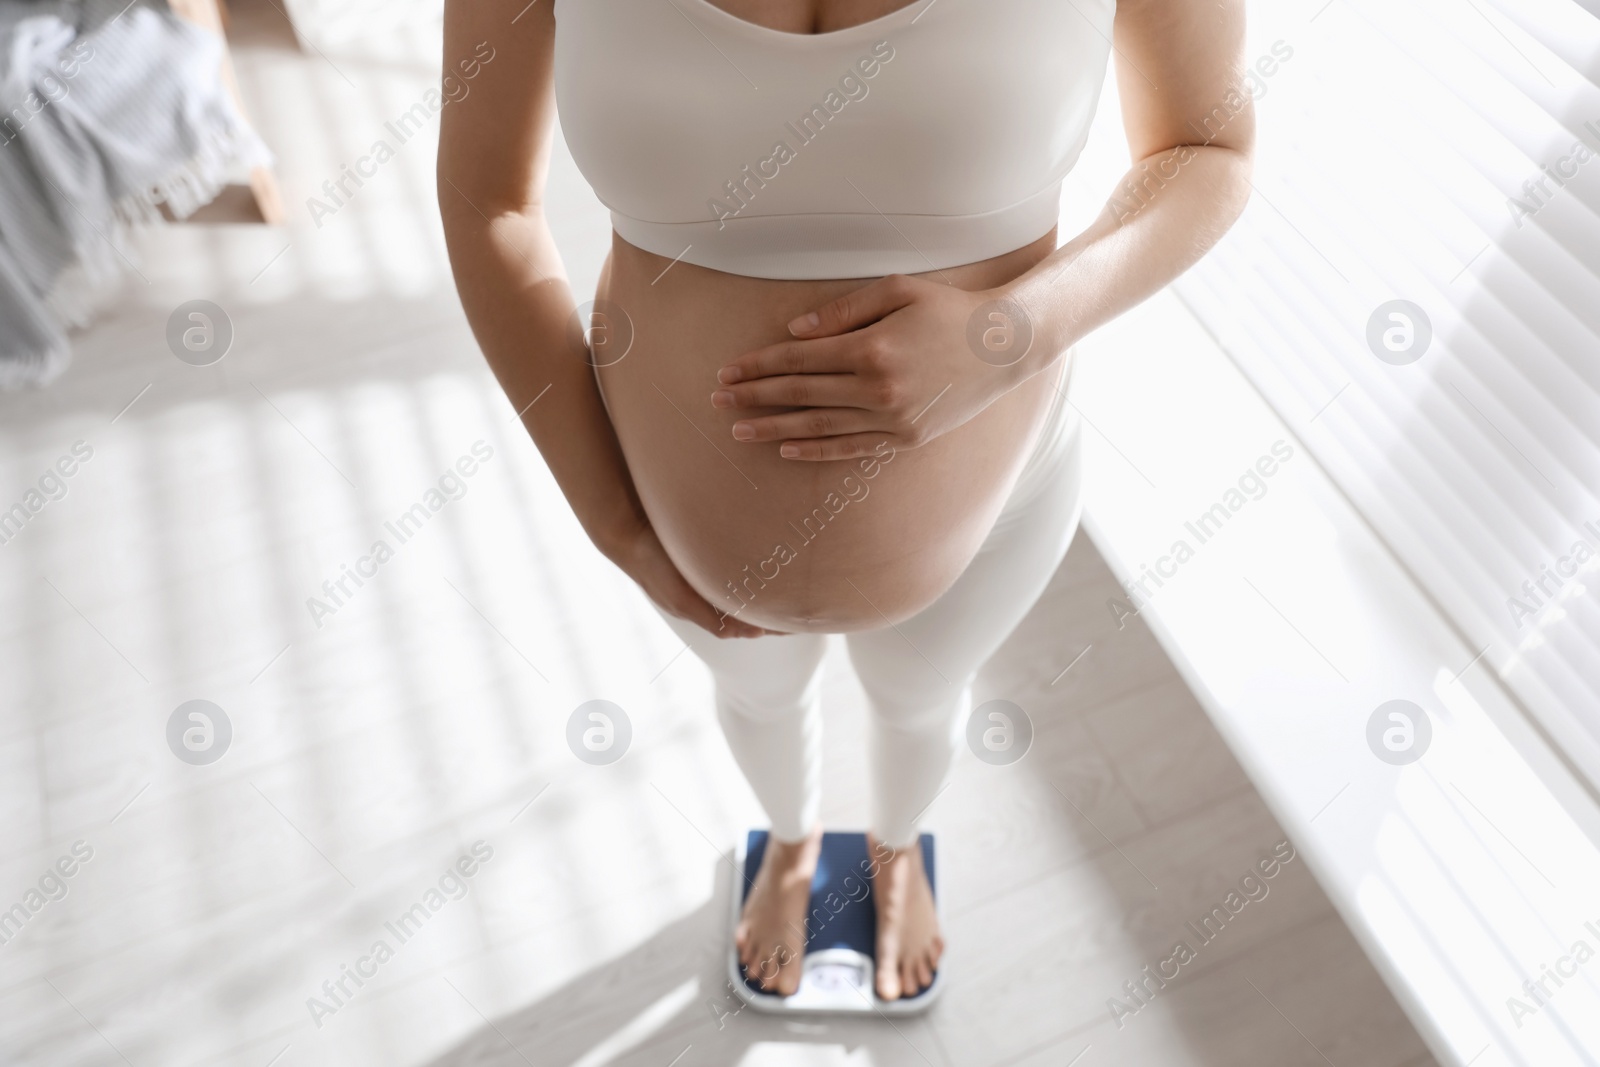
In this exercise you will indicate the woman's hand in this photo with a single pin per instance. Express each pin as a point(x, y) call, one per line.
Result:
point(902, 359)
point(642, 558)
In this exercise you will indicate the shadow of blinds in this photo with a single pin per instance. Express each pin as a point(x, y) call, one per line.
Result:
point(1414, 289)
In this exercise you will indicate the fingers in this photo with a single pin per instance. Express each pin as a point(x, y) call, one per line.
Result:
point(808, 422)
point(726, 626)
point(824, 355)
point(857, 308)
point(649, 565)
point(683, 602)
point(796, 390)
point(719, 624)
point(846, 446)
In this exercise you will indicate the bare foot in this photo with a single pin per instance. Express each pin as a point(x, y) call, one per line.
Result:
point(909, 945)
point(771, 936)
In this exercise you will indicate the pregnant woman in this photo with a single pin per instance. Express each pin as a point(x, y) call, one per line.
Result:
point(822, 384)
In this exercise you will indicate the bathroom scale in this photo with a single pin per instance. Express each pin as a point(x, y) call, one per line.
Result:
point(841, 932)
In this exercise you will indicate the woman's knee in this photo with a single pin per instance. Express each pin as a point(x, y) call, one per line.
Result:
point(767, 705)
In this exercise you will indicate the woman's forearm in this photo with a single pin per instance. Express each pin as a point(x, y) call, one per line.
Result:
point(1168, 210)
point(517, 300)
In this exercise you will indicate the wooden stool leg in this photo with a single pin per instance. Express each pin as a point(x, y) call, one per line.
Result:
point(265, 199)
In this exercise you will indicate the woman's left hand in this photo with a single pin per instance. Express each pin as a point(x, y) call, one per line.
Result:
point(897, 360)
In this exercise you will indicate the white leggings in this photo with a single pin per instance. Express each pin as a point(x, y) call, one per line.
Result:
point(917, 675)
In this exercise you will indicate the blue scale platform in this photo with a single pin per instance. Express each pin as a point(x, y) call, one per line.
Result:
point(841, 932)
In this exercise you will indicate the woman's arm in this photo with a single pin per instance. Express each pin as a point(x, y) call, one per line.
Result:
point(494, 153)
point(1191, 131)
point(1190, 122)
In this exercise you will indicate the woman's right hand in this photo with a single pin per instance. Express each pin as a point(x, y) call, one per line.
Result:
point(643, 558)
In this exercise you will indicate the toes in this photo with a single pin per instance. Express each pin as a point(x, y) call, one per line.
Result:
point(924, 973)
point(765, 972)
point(787, 980)
point(908, 979)
point(777, 970)
point(889, 983)
point(789, 977)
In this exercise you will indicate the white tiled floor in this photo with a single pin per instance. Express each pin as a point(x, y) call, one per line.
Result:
point(428, 713)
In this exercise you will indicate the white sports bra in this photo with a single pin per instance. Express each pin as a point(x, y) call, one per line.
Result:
point(934, 136)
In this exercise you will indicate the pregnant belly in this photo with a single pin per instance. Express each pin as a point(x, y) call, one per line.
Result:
point(794, 546)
